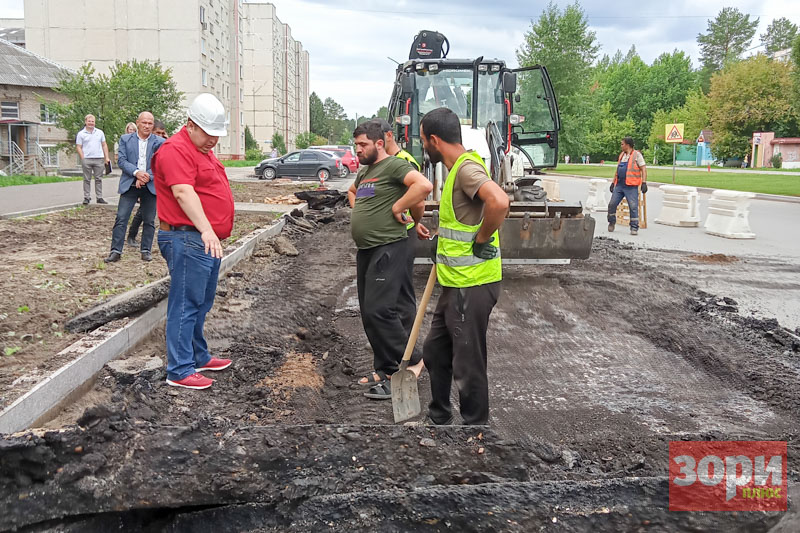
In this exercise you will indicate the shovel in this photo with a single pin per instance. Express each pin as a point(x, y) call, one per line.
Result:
point(405, 395)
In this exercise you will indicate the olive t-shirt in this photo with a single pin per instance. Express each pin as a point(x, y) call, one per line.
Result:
point(466, 203)
point(378, 187)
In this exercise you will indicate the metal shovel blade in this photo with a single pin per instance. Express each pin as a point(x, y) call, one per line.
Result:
point(405, 396)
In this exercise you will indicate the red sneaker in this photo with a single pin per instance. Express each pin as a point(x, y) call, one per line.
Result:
point(194, 381)
point(215, 364)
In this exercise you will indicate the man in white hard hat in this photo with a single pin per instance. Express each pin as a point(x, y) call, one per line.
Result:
point(195, 209)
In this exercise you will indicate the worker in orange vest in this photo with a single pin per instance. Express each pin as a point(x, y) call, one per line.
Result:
point(631, 173)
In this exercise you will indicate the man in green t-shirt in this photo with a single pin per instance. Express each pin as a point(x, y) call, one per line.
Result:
point(380, 196)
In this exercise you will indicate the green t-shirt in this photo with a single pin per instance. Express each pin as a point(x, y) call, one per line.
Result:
point(378, 187)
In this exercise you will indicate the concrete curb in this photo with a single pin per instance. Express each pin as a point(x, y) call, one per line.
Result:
point(104, 344)
point(40, 211)
point(707, 190)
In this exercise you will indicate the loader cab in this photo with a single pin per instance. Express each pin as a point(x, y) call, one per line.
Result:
point(520, 102)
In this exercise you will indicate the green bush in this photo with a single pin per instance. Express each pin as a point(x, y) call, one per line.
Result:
point(776, 160)
point(253, 154)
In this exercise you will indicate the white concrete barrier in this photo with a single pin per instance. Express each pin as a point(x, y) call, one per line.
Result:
point(679, 207)
point(728, 213)
point(552, 188)
point(598, 195)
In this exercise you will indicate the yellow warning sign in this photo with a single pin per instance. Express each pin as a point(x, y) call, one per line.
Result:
point(674, 133)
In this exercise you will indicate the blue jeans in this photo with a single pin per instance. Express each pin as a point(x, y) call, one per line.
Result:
point(631, 194)
point(194, 276)
point(127, 201)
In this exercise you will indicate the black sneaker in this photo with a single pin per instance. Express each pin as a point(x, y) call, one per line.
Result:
point(611, 227)
point(101, 201)
point(132, 242)
point(147, 256)
point(86, 201)
point(113, 257)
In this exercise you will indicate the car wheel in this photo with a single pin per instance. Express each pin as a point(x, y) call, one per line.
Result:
point(269, 173)
point(323, 174)
point(345, 171)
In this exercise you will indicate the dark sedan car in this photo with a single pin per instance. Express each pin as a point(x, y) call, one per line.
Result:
point(301, 164)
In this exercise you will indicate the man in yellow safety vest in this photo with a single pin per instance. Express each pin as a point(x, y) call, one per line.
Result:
point(468, 267)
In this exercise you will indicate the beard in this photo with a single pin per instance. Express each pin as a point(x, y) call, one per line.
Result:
point(369, 157)
point(434, 155)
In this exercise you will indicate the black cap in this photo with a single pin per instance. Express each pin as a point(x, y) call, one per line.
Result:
point(385, 126)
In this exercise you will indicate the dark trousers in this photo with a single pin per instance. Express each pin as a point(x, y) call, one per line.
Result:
point(135, 223)
point(631, 194)
point(127, 201)
point(380, 272)
point(455, 349)
point(407, 301)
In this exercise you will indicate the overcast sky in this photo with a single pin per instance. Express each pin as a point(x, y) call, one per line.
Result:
point(349, 41)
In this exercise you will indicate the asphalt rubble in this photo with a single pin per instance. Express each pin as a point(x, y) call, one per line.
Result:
point(285, 451)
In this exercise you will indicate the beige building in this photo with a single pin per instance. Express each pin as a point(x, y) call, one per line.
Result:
point(202, 41)
point(29, 138)
point(275, 77)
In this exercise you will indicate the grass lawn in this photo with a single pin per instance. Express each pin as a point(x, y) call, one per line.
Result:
point(27, 179)
point(765, 183)
point(241, 162)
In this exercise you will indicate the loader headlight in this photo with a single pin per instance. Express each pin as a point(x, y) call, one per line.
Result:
point(405, 120)
point(516, 119)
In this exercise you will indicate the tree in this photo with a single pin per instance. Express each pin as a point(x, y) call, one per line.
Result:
point(562, 42)
point(604, 143)
point(335, 118)
point(779, 35)
point(316, 112)
point(250, 142)
point(751, 95)
point(726, 38)
point(278, 143)
point(304, 140)
point(694, 115)
point(118, 97)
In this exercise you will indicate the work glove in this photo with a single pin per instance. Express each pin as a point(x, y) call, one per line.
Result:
point(611, 187)
point(644, 187)
point(484, 250)
point(434, 247)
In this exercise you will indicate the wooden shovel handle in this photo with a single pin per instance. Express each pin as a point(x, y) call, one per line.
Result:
point(423, 305)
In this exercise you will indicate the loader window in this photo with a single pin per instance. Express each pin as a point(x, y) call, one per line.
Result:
point(534, 104)
point(491, 101)
point(446, 88)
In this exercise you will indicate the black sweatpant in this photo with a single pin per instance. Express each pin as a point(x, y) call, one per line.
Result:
point(380, 272)
point(455, 349)
point(407, 301)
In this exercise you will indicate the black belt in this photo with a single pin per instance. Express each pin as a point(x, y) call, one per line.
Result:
point(169, 227)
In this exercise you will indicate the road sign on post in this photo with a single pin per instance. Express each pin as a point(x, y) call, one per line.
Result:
point(673, 133)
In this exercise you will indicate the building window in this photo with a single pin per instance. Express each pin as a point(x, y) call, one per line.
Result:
point(202, 17)
point(204, 77)
point(211, 28)
point(241, 95)
point(45, 115)
point(241, 118)
point(49, 155)
point(203, 46)
point(241, 72)
point(9, 109)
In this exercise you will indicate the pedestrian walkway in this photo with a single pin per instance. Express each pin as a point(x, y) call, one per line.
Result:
point(50, 195)
point(705, 169)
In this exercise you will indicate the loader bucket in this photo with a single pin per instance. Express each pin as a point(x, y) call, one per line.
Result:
point(534, 232)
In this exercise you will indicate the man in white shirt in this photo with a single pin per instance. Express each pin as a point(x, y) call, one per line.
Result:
point(93, 151)
point(136, 183)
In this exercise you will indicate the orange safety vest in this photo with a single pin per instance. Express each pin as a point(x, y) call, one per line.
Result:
point(633, 175)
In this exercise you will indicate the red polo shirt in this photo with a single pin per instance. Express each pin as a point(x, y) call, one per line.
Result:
point(178, 161)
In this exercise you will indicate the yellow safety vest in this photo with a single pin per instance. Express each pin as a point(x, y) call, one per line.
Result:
point(456, 265)
point(402, 154)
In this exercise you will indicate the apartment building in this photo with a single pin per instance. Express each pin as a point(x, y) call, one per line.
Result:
point(239, 51)
point(275, 77)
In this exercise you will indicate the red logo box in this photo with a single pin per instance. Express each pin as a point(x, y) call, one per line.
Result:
point(727, 476)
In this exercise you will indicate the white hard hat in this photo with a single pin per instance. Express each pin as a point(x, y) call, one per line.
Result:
point(208, 113)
